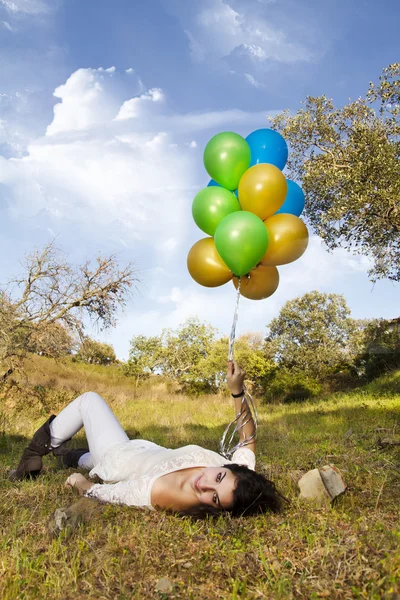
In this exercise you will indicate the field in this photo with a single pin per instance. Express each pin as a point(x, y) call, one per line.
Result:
point(350, 550)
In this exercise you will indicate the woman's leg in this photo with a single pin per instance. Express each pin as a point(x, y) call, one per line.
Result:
point(101, 426)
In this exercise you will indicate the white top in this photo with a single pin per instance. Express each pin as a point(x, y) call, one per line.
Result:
point(135, 466)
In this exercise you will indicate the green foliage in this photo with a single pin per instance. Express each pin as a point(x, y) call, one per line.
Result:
point(145, 357)
point(185, 347)
point(249, 353)
point(176, 354)
point(347, 160)
point(95, 353)
point(192, 357)
point(291, 386)
point(311, 334)
point(381, 348)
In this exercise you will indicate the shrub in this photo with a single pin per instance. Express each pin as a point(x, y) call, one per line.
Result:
point(291, 386)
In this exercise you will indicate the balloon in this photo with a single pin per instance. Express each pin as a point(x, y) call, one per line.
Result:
point(261, 283)
point(288, 239)
point(213, 183)
point(294, 201)
point(205, 264)
point(226, 157)
point(211, 205)
point(241, 241)
point(262, 190)
point(267, 146)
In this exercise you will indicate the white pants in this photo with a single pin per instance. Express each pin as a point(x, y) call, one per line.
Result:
point(101, 427)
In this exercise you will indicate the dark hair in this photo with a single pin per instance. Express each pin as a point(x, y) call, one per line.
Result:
point(253, 494)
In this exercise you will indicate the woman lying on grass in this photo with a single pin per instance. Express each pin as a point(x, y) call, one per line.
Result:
point(188, 480)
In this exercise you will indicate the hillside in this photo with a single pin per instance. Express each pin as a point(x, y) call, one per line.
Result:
point(347, 551)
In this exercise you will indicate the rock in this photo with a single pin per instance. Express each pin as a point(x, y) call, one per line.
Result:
point(69, 518)
point(333, 481)
point(323, 485)
point(164, 585)
point(187, 565)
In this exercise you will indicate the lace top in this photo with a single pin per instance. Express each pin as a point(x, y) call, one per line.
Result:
point(134, 466)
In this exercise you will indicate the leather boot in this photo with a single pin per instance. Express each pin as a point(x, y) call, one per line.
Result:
point(71, 457)
point(30, 464)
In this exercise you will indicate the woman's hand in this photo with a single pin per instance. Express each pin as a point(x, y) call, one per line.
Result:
point(79, 482)
point(235, 377)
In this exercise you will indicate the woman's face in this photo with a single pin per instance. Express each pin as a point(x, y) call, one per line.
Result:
point(214, 486)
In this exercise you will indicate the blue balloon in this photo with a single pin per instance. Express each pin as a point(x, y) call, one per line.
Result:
point(267, 146)
point(294, 201)
point(213, 183)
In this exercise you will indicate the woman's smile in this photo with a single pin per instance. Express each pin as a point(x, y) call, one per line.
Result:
point(215, 486)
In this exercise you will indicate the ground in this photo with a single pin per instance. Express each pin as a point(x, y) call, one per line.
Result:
point(349, 550)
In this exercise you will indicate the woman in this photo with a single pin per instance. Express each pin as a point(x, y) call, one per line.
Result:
point(188, 480)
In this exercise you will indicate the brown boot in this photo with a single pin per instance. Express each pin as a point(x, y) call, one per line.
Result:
point(71, 457)
point(30, 464)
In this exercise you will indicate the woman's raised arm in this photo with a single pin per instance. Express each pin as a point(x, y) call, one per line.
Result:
point(235, 380)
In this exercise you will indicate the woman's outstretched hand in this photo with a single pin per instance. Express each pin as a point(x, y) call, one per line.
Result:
point(79, 482)
point(235, 377)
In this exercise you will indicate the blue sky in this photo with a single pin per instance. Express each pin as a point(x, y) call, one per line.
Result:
point(105, 109)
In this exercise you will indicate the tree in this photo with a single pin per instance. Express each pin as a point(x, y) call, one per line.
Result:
point(145, 357)
point(51, 339)
point(52, 291)
point(380, 351)
point(347, 160)
point(184, 348)
point(249, 352)
point(96, 353)
point(311, 334)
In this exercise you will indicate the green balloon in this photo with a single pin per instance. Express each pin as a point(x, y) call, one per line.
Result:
point(211, 205)
point(241, 240)
point(226, 157)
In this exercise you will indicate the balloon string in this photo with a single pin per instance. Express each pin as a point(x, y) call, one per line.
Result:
point(235, 318)
point(247, 412)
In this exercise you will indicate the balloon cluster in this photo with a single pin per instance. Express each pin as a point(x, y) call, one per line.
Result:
point(251, 213)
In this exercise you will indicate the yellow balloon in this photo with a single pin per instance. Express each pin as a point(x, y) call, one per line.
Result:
point(260, 283)
point(287, 239)
point(205, 264)
point(262, 190)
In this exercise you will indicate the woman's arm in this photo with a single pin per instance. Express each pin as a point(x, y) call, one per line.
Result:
point(235, 381)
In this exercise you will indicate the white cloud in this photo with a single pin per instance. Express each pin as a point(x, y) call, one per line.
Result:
point(31, 7)
point(253, 81)
point(135, 107)
point(169, 245)
point(217, 31)
point(89, 169)
point(101, 167)
point(87, 99)
point(7, 25)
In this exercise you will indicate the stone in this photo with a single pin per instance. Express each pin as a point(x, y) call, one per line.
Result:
point(322, 485)
point(69, 518)
point(164, 585)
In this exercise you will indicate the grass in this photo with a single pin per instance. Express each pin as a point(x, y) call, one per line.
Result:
point(350, 550)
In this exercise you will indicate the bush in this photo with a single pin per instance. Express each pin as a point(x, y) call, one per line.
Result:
point(291, 386)
point(95, 353)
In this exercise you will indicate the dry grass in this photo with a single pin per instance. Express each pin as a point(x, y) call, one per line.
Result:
point(348, 551)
